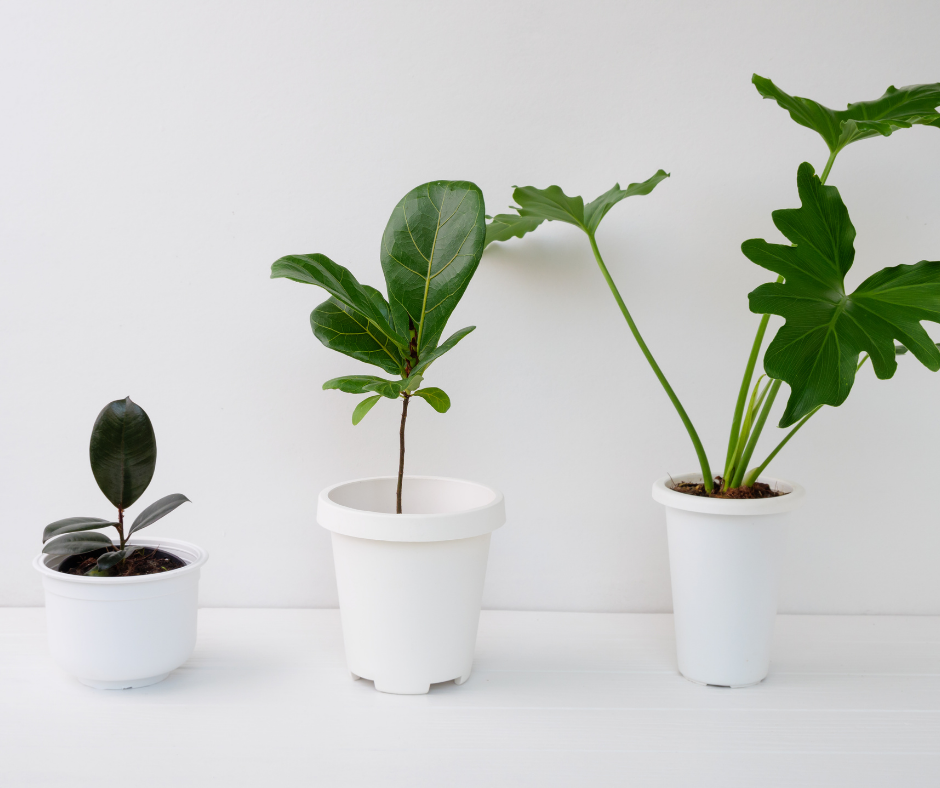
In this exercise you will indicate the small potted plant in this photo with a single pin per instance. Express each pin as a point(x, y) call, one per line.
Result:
point(726, 533)
point(410, 551)
point(120, 615)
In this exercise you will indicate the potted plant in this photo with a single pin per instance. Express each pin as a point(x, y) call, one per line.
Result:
point(120, 615)
point(410, 551)
point(726, 532)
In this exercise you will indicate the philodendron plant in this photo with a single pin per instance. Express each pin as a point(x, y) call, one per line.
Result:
point(430, 250)
point(817, 351)
point(123, 454)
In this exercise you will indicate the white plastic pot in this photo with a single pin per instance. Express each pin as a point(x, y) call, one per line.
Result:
point(410, 585)
point(725, 558)
point(123, 632)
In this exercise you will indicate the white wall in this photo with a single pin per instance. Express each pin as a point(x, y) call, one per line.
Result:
point(156, 158)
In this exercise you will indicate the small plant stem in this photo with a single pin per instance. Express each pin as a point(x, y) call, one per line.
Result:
point(755, 435)
point(825, 172)
point(742, 394)
point(699, 449)
point(120, 528)
point(752, 475)
point(401, 455)
point(745, 431)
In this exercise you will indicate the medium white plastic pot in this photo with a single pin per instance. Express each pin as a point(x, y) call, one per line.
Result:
point(725, 558)
point(123, 632)
point(410, 585)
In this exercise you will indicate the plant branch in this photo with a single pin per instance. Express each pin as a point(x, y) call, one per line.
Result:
point(825, 172)
point(699, 449)
point(120, 527)
point(755, 435)
point(401, 456)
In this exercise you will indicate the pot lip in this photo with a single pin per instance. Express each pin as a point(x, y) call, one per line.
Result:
point(326, 500)
point(664, 494)
point(202, 556)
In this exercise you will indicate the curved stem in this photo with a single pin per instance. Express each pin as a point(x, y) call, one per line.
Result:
point(825, 173)
point(699, 449)
point(755, 435)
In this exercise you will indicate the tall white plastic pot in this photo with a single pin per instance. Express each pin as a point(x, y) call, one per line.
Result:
point(123, 632)
point(410, 585)
point(725, 558)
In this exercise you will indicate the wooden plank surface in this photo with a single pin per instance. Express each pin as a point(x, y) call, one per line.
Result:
point(555, 699)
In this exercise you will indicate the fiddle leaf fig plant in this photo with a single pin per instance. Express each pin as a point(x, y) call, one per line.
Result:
point(430, 250)
point(817, 351)
point(123, 454)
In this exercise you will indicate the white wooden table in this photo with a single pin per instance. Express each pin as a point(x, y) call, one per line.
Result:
point(555, 699)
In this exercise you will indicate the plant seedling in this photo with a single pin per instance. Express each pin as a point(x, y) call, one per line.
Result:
point(827, 329)
point(430, 250)
point(123, 455)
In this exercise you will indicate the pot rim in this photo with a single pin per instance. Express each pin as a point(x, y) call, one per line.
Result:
point(664, 493)
point(429, 527)
point(39, 564)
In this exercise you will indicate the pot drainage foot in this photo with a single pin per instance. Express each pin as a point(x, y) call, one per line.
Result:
point(126, 684)
point(354, 677)
point(402, 689)
point(461, 680)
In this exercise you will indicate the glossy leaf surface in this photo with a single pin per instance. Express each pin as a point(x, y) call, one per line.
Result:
point(73, 524)
point(339, 282)
point(351, 333)
point(123, 452)
point(76, 544)
point(158, 509)
point(364, 407)
point(430, 249)
point(898, 108)
point(353, 384)
point(509, 225)
point(111, 559)
point(429, 358)
point(816, 351)
point(436, 398)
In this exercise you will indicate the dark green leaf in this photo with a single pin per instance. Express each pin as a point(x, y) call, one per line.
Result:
point(817, 350)
point(430, 249)
point(414, 380)
point(318, 269)
point(123, 452)
point(75, 544)
point(364, 407)
point(348, 332)
point(596, 210)
point(387, 388)
point(353, 384)
point(429, 358)
point(509, 225)
point(156, 510)
point(72, 524)
point(436, 398)
point(898, 108)
point(110, 559)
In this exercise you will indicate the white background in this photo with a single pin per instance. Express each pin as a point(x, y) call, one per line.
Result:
point(157, 158)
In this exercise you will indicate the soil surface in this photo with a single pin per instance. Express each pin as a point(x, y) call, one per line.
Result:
point(759, 490)
point(144, 561)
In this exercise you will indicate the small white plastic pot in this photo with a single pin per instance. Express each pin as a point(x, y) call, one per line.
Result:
point(410, 585)
point(123, 632)
point(725, 558)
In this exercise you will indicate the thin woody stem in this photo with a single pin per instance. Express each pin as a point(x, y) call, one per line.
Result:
point(401, 455)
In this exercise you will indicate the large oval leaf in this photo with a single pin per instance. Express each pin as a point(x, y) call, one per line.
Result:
point(431, 247)
point(349, 332)
point(123, 452)
point(73, 524)
point(816, 351)
point(75, 544)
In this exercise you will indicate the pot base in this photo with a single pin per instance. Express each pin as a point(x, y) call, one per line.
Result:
point(721, 686)
point(127, 684)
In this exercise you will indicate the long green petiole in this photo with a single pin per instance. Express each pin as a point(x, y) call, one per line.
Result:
point(699, 449)
point(755, 435)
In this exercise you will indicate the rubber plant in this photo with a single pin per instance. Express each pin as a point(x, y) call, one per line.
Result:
point(829, 332)
point(123, 454)
point(430, 249)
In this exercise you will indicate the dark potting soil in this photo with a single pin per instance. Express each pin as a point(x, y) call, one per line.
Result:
point(141, 562)
point(759, 490)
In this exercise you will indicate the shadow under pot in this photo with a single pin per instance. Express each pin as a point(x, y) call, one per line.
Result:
point(123, 632)
point(725, 558)
point(410, 585)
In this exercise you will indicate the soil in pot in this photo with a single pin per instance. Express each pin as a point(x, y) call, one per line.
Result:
point(759, 490)
point(141, 562)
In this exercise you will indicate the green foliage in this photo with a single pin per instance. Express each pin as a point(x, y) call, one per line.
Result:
point(430, 249)
point(436, 398)
point(817, 350)
point(123, 452)
point(898, 108)
point(123, 456)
